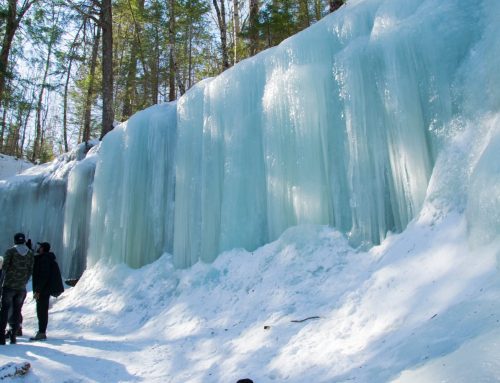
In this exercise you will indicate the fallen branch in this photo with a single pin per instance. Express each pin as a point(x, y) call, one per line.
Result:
point(303, 320)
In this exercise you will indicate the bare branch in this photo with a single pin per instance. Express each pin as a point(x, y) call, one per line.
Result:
point(78, 8)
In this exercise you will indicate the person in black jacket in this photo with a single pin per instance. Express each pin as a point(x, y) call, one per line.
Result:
point(41, 287)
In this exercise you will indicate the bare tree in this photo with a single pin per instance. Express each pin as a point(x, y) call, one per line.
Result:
point(174, 73)
point(90, 90)
point(236, 27)
point(71, 57)
point(304, 18)
point(108, 114)
point(53, 37)
point(254, 26)
point(105, 20)
point(221, 21)
point(130, 87)
point(171, 43)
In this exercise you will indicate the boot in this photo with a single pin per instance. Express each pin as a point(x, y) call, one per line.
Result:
point(39, 336)
point(19, 329)
point(12, 337)
point(2, 339)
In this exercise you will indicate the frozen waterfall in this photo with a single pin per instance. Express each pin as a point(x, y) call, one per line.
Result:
point(342, 125)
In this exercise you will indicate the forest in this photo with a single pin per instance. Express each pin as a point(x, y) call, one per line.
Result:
point(71, 69)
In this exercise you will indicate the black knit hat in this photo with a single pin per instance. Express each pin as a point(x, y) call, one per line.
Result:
point(19, 238)
point(45, 246)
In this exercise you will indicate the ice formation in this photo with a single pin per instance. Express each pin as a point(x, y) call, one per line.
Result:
point(340, 125)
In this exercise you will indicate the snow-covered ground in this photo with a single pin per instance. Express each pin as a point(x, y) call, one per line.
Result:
point(10, 166)
point(421, 307)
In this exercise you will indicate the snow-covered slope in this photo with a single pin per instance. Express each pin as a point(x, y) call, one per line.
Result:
point(421, 307)
point(10, 166)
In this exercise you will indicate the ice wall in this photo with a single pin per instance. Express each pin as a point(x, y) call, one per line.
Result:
point(339, 125)
point(35, 203)
point(132, 202)
point(352, 123)
point(77, 210)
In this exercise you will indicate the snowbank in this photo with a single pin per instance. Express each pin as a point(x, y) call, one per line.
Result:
point(304, 308)
point(10, 166)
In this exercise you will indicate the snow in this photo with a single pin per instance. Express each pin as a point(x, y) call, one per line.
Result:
point(419, 307)
point(10, 166)
point(35, 202)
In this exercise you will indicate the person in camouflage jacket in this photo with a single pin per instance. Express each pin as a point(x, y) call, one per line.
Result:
point(17, 268)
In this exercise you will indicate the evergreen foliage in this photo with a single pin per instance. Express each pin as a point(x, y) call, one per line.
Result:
point(52, 84)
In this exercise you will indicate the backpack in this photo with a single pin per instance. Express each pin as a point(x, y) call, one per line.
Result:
point(56, 286)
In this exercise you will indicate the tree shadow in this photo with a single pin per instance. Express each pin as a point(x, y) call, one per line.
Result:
point(83, 368)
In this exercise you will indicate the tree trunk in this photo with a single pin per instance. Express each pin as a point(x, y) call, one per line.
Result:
point(3, 143)
point(66, 89)
point(130, 87)
point(12, 23)
point(304, 19)
point(26, 119)
point(155, 64)
point(190, 56)
point(180, 82)
point(236, 27)
point(130, 83)
point(317, 9)
point(44, 123)
point(254, 26)
point(108, 114)
point(10, 30)
point(90, 90)
point(38, 142)
point(221, 20)
point(17, 132)
point(4, 124)
point(171, 42)
point(65, 106)
point(335, 4)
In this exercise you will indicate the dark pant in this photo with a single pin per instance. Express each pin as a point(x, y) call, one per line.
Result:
point(15, 299)
point(11, 319)
point(42, 312)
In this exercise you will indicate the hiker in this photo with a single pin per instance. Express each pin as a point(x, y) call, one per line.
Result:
point(17, 268)
point(42, 276)
point(11, 317)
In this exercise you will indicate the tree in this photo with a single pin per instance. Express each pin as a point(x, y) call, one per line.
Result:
point(136, 9)
point(304, 19)
point(14, 17)
point(220, 11)
point(47, 35)
point(335, 4)
point(193, 36)
point(90, 87)
point(253, 28)
point(171, 55)
point(108, 114)
point(236, 28)
point(70, 57)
